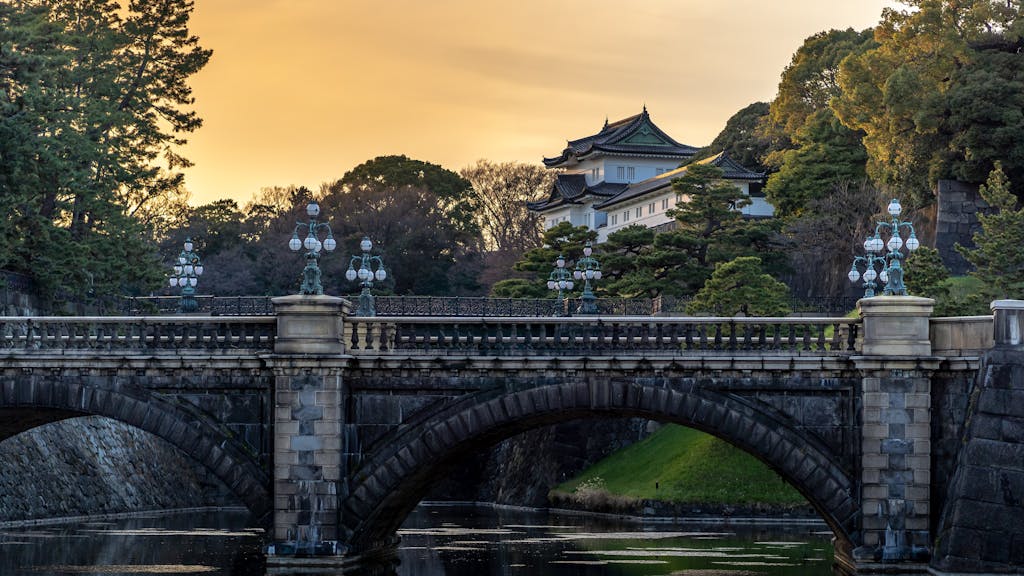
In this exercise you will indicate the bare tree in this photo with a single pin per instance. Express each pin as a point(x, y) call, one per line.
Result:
point(502, 191)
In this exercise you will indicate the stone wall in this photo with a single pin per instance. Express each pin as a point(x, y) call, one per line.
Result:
point(957, 221)
point(94, 465)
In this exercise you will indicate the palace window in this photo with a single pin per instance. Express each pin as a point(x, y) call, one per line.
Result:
point(630, 173)
point(625, 216)
point(620, 171)
point(615, 219)
point(664, 203)
point(639, 211)
point(595, 174)
point(650, 208)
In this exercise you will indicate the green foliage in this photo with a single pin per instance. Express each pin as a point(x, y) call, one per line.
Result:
point(741, 286)
point(827, 154)
point(902, 92)
point(637, 263)
point(807, 86)
point(535, 265)
point(421, 218)
point(997, 256)
point(94, 102)
point(925, 274)
point(677, 464)
point(741, 138)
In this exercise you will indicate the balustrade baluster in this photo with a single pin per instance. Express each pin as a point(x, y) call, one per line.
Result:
point(806, 336)
point(821, 337)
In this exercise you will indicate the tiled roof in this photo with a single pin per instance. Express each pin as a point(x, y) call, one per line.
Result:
point(615, 138)
point(568, 188)
point(732, 170)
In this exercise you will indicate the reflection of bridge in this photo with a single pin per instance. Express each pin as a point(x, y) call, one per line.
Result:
point(339, 425)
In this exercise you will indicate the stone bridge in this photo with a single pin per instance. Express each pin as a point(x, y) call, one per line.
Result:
point(336, 426)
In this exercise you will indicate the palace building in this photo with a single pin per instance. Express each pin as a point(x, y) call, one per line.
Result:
point(623, 176)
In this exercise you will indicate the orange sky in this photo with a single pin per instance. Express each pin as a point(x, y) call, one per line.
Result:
point(300, 91)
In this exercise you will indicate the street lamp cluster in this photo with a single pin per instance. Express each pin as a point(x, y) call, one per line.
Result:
point(188, 267)
point(887, 255)
point(587, 269)
point(366, 276)
point(187, 270)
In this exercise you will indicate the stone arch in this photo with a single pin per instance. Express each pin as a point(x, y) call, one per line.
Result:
point(393, 479)
point(25, 404)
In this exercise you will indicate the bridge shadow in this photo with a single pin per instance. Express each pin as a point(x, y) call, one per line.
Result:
point(402, 467)
point(30, 403)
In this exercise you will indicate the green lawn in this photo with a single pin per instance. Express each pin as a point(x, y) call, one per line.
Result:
point(678, 464)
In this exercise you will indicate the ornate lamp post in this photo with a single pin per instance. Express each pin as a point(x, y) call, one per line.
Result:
point(187, 271)
point(560, 279)
point(587, 269)
point(313, 245)
point(366, 276)
point(892, 268)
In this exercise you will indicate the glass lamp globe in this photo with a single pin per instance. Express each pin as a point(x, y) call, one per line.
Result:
point(560, 262)
point(309, 242)
point(590, 274)
point(877, 244)
point(597, 274)
point(174, 280)
point(552, 285)
point(569, 284)
point(188, 245)
point(365, 245)
point(561, 284)
point(587, 250)
point(295, 243)
point(380, 275)
point(199, 269)
point(870, 275)
point(318, 246)
point(913, 243)
point(177, 269)
point(181, 259)
point(854, 275)
point(182, 281)
point(895, 243)
point(577, 275)
point(313, 209)
point(868, 245)
point(894, 207)
point(350, 274)
point(330, 244)
point(364, 274)
point(193, 281)
point(189, 269)
point(883, 276)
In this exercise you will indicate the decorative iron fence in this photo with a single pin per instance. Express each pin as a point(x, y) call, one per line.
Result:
point(600, 336)
point(141, 333)
point(212, 305)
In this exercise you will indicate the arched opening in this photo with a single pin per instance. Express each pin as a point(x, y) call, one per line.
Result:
point(27, 404)
point(394, 478)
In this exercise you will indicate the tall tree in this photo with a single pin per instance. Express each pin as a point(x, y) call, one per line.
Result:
point(740, 286)
point(95, 103)
point(741, 138)
point(535, 265)
point(502, 190)
point(897, 92)
point(421, 218)
point(997, 258)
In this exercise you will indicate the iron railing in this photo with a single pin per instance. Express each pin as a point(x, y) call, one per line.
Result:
point(137, 333)
point(600, 335)
point(212, 305)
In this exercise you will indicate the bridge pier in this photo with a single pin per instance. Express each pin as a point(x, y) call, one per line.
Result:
point(895, 459)
point(308, 415)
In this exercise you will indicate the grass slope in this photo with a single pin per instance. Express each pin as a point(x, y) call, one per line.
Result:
point(687, 466)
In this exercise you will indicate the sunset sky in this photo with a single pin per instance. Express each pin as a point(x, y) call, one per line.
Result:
point(300, 91)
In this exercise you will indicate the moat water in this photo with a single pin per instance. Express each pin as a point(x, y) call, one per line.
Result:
point(436, 541)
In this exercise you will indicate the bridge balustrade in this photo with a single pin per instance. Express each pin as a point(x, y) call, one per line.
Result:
point(136, 333)
point(600, 335)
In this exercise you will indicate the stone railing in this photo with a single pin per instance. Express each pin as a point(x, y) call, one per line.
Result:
point(597, 336)
point(137, 333)
point(961, 336)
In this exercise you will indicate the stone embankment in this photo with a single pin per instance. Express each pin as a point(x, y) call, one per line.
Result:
point(89, 466)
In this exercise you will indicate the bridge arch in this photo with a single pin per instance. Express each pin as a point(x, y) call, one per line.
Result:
point(398, 474)
point(27, 403)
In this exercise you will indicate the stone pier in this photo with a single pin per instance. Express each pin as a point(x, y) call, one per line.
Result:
point(895, 460)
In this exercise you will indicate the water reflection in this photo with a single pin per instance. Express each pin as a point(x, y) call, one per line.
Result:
point(436, 541)
point(186, 543)
point(442, 541)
